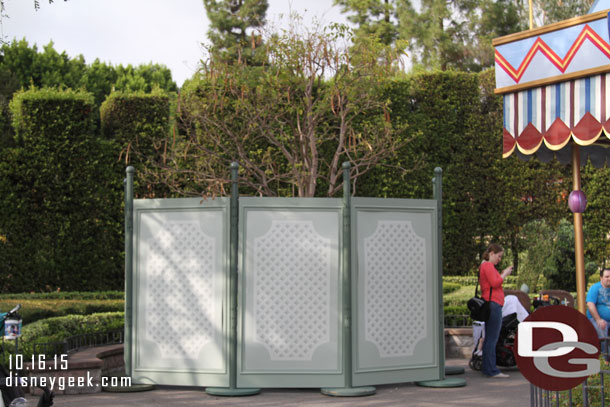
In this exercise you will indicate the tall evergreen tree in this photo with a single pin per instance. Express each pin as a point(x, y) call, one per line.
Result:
point(457, 34)
point(233, 29)
point(434, 32)
point(490, 19)
point(372, 17)
point(452, 34)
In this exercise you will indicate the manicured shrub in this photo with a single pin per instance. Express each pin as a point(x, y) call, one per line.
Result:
point(137, 118)
point(61, 222)
point(472, 280)
point(60, 328)
point(450, 287)
point(441, 113)
point(57, 330)
point(66, 295)
point(36, 309)
point(139, 124)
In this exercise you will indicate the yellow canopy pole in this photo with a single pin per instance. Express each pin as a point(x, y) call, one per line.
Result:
point(579, 247)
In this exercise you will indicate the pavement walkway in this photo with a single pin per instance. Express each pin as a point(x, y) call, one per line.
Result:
point(479, 391)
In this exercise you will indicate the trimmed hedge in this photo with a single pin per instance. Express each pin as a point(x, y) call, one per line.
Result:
point(443, 109)
point(33, 310)
point(457, 315)
point(472, 280)
point(67, 295)
point(61, 224)
point(456, 310)
point(135, 117)
point(61, 184)
point(450, 287)
point(58, 329)
point(137, 121)
point(63, 116)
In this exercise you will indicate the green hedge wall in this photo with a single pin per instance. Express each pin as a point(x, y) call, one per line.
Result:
point(61, 223)
point(137, 121)
point(442, 111)
point(61, 182)
point(135, 118)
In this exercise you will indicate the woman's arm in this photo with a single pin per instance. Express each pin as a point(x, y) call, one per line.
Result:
point(506, 272)
point(492, 276)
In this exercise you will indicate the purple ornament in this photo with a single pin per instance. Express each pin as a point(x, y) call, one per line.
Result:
point(577, 201)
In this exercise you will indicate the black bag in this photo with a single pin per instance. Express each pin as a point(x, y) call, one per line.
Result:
point(479, 308)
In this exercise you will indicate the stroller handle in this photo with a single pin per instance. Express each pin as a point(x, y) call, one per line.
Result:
point(14, 310)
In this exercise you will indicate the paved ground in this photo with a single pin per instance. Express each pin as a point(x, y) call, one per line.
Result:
point(479, 391)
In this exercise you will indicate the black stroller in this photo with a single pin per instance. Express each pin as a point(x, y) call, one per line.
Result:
point(504, 348)
point(12, 392)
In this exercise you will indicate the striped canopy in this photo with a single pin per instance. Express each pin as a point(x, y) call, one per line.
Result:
point(554, 81)
point(554, 114)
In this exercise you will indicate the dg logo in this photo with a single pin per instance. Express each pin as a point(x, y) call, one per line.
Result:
point(557, 348)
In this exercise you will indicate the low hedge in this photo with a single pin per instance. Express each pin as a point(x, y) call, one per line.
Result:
point(456, 310)
point(67, 295)
point(58, 329)
point(33, 310)
point(457, 316)
point(450, 287)
point(472, 280)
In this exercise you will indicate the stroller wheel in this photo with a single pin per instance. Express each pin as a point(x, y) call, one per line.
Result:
point(476, 362)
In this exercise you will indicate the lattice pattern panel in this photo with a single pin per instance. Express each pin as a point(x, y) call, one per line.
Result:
point(180, 302)
point(291, 272)
point(395, 287)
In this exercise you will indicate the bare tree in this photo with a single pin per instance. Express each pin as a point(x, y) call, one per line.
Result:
point(290, 123)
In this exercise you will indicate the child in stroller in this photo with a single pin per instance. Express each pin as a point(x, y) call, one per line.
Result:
point(512, 313)
point(12, 391)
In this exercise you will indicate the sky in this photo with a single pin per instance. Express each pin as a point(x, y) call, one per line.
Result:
point(168, 32)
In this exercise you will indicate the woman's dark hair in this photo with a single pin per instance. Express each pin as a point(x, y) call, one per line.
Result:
point(492, 248)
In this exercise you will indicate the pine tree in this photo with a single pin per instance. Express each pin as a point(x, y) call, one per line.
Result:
point(234, 26)
point(437, 33)
point(372, 17)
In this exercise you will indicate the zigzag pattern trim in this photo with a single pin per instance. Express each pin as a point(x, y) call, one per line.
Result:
point(561, 64)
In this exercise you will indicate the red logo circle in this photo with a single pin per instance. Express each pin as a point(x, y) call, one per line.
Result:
point(556, 348)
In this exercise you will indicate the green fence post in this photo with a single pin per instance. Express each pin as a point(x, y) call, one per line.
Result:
point(438, 195)
point(128, 185)
point(437, 182)
point(348, 390)
point(232, 390)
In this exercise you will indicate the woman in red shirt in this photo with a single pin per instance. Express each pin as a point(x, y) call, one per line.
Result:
point(491, 290)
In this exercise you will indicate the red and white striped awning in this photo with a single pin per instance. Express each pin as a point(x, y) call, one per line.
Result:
point(554, 114)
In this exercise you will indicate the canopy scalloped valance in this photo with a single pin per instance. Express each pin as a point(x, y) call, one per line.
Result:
point(578, 109)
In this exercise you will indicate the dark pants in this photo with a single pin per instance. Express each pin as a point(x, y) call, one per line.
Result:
point(492, 333)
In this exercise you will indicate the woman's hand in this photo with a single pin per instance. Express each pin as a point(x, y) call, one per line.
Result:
point(506, 272)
